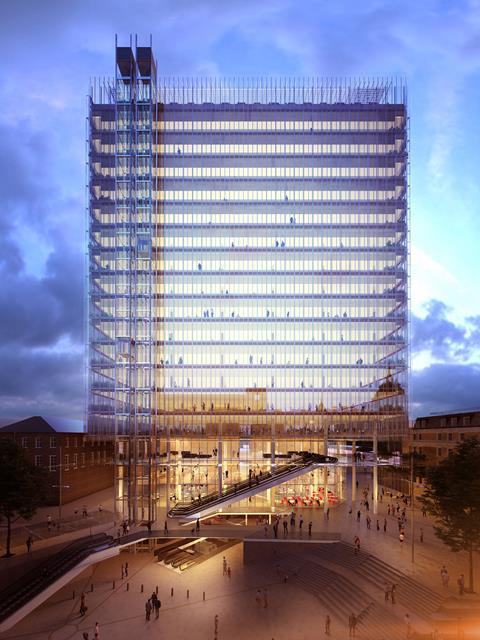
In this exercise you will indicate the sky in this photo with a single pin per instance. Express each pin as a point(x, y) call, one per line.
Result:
point(51, 49)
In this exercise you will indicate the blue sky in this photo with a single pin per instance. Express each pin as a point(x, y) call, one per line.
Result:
point(50, 49)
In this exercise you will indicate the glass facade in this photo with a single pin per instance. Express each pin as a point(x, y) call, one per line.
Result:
point(248, 277)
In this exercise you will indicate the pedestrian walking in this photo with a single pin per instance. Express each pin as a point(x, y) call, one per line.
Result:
point(352, 625)
point(378, 525)
point(197, 525)
point(461, 584)
point(225, 566)
point(157, 604)
point(292, 519)
point(328, 513)
point(29, 543)
point(421, 534)
point(126, 570)
point(310, 528)
point(358, 515)
point(85, 635)
point(165, 528)
point(96, 633)
point(148, 609)
point(401, 537)
point(265, 599)
point(84, 511)
point(124, 528)
point(229, 571)
point(327, 625)
point(300, 522)
point(258, 597)
point(356, 542)
point(265, 528)
point(384, 525)
point(369, 522)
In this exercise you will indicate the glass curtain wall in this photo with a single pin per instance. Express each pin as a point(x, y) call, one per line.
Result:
point(266, 273)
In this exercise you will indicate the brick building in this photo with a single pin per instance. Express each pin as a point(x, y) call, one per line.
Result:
point(435, 436)
point(78, 464)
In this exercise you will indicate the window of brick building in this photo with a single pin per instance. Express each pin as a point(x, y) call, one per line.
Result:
point(38, 443)
point(466, 421)
point(25, 442)
point(67, 441)
point(53, 442)
point(38, 461)
point(83, 459)
point(66, 461)
point(52, 463)
point(443, 422)
point(75, 460)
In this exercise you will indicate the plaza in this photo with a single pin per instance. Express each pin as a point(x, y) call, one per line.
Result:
point(305, 577)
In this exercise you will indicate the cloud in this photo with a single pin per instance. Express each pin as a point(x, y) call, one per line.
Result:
point(445, 387)
point(444, 339)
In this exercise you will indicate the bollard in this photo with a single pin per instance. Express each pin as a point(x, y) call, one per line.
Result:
point(204, 596)
point(188, 593)
point(171, 592)
point(128, 586)
point(91, 588)
point(156, 589)
point(141, 589)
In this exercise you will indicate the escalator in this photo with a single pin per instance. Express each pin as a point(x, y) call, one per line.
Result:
point(301, 462)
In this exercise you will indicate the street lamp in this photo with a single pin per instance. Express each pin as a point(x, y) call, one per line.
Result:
point(60, 487)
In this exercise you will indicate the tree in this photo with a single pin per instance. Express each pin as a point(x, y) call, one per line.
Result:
point(452, 496)
point(23, 486)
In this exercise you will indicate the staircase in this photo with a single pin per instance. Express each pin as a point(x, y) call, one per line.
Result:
point(23, 590)
point(206, 505)
point(341, 598)
point(412, 594)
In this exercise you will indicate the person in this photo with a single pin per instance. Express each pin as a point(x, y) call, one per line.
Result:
point(384, 525)
point(401, 537)
point(197, 525)
point(225, 566)
point(461, 584)
point(352, 624)
point(408, 625)
point(157, 604)
point(421, 534)
point(393, 591)
point(356, 542)
point(29, 543)
point(49, 522)
point(444, 576)
point(358, 515)
point(84, 511)
point(100, 508)
point(85, 635)
point(83, 606)
point(300, 522)
point(387, 592)
point(148, 609)
point(126, 569)
point(258, 597)
point(310, 528)
point(165, 528)
point(378, 525)
point(327, 625)
point(149, 526)
point(328, 513)
point(97, 631)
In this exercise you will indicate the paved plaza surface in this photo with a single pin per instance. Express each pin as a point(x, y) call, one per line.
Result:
point(294, 608)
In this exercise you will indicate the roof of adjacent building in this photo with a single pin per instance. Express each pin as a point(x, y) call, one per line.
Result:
point(38, 424)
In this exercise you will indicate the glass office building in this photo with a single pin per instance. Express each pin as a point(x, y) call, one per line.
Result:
point(248, 278)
